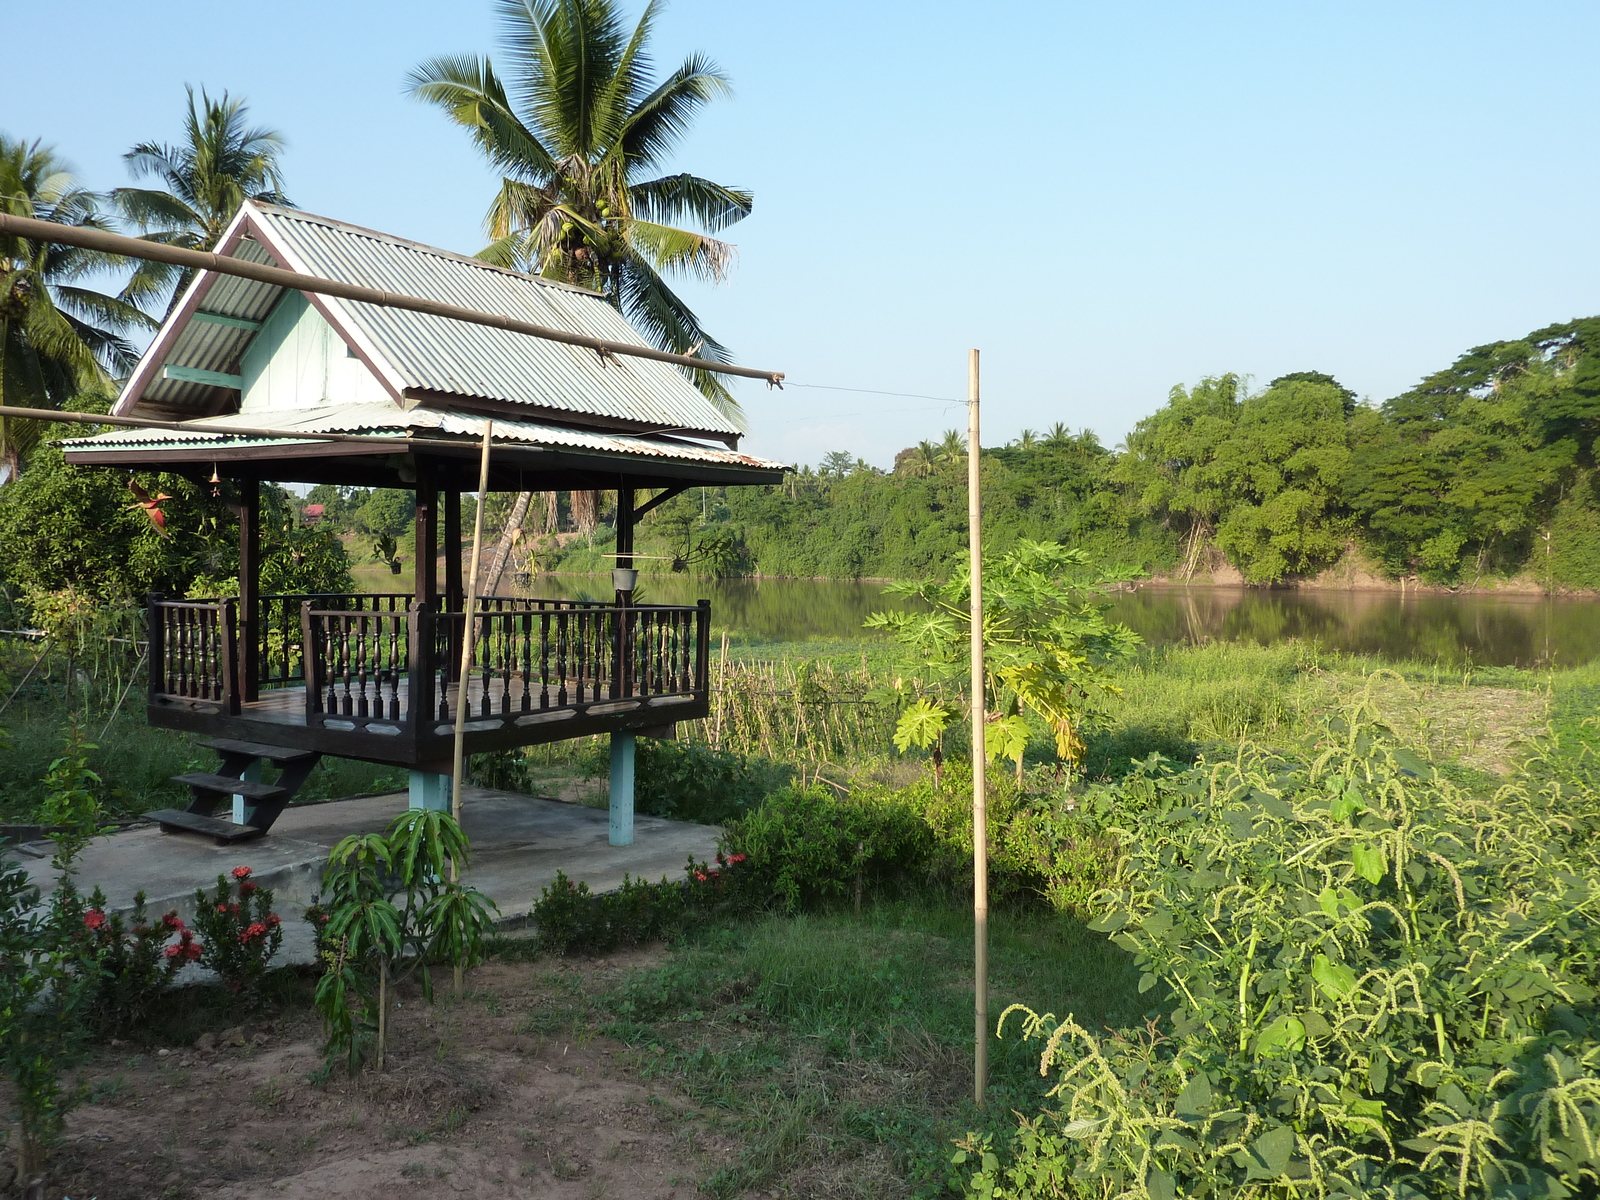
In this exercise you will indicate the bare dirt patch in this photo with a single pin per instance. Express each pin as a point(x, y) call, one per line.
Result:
point(500, 1094)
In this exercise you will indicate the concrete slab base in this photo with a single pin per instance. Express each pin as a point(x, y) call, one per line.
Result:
point(518, 844)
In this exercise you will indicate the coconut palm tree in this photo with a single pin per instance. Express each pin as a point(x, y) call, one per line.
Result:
point(219, 164)
point(59, 338)
point(579, 130)
point(953, 447)
point(1026, 440)
point(921, 461)
point(1059, 435)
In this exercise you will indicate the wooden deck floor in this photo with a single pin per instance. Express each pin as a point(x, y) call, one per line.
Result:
point(287, 706)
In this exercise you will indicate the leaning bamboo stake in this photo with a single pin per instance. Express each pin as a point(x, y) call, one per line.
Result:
point(222, 264)
point(464, 680)
point(980, 814)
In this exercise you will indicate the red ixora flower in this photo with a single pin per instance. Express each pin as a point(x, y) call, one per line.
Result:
point(191, 950)
point(241, 872)
point(173, 951)
point(252, 931)
point(222, 908)
point(94, 918)
point(700, 875)
point(737, 858)
point(273, 919)
point(246, 887)
point(173, 922)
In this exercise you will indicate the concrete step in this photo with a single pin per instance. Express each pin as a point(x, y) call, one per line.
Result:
point(226, 785)
point(277, 755)
point(175, 820)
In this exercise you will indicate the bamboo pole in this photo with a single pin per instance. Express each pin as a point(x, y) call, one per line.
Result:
point(980, 814)
point(463, 685)
point(200, 260)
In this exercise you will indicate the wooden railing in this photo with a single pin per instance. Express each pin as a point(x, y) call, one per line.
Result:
point(357, 662)
point(381, 663)
point(194, 651)
point(535, 655)
point(279, 637)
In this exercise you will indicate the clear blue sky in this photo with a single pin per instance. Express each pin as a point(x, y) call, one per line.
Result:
point(1107, 198)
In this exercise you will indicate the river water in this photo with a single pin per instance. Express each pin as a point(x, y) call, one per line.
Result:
point(1485, 630)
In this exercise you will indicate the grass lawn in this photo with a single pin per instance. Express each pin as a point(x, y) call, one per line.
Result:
point(838, 1049)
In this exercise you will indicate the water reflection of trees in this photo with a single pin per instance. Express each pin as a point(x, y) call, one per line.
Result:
point(1482, 629)
point(752, 609)
point(1451, 630)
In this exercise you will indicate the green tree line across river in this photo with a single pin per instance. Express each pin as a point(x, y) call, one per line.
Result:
point(1482, 471)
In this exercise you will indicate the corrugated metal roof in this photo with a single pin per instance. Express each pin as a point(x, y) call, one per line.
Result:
point(427, 353)
point(383, 419)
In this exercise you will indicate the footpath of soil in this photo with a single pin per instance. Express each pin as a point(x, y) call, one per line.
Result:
point(476, 1101)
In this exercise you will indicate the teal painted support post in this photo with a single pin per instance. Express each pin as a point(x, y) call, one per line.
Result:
point(430, 791)
point(622, 788)
point(241, 811)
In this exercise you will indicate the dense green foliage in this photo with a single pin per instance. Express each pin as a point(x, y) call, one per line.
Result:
point(67, 529)
point(1483, 470)
point(1371, 982)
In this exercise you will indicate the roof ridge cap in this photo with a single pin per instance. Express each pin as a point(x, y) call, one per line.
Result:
point(279, 211)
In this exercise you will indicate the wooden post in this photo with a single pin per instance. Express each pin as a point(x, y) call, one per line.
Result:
point(469, 611)
point(625, 537)
point(452, 550)
point(426, 588)
point(980, 814)
point(452, 570)
point(250, 641)
point(620, 796)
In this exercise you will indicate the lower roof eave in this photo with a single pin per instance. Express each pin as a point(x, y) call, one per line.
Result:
point(514, 467)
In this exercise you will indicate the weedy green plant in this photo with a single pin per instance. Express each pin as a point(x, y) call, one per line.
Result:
point(45, 987)
point(394, 906)
point(1375, 984)
point(70, 807)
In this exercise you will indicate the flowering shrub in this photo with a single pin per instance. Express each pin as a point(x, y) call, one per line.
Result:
point(240, 931)
point(136, 960)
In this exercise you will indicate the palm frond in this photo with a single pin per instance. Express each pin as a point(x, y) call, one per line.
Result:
point(673, 197)
point(657, 312)
point(661, 118)
point(671, 249)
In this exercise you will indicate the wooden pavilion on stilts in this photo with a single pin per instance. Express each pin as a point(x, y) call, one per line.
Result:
point(267, 379)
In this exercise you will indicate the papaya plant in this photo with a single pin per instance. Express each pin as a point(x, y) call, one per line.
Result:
point(1047, 644)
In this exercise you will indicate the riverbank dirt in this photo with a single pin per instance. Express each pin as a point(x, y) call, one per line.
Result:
point(501, 1094)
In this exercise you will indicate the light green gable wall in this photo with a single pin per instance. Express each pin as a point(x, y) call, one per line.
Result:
point(298, 361)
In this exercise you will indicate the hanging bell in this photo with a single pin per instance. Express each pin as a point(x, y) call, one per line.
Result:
point(216, 482)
